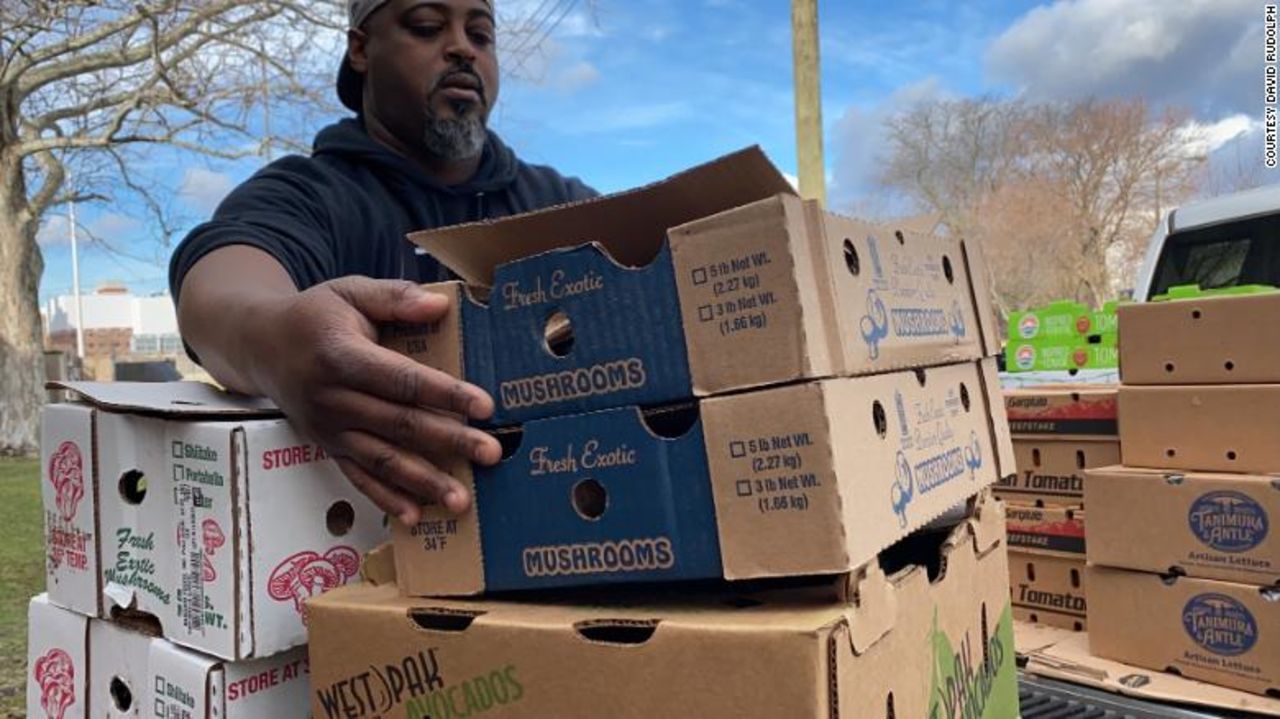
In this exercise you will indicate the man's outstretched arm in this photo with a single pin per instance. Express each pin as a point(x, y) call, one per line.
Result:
point(389, 422)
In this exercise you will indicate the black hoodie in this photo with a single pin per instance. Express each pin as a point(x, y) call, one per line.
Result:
point(346, 209)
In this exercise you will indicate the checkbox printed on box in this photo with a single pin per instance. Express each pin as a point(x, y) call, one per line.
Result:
point(704, 313)
point(737, 450)
point(177, 449)
point(744, 488)
point(179, 474)
point(160, 708)
point(700, 276)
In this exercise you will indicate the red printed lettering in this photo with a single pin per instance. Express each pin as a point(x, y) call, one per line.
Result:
point(288, 456)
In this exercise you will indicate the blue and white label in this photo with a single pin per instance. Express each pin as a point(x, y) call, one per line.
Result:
point(875, 324)
point(1029, 326)
point(1220, 624)
point(1228, 521)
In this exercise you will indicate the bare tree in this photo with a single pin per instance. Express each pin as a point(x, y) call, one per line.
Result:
point(86, 86)
point(1064, 196)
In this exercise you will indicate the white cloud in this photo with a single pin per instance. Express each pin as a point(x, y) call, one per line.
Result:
point(1206, 138)
point(577, 76)
point(1204, 54)
point(55, 230)
point(204, 189)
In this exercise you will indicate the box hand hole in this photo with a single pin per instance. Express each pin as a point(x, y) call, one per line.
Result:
point(133, 486)
point(340, 518)
point(620, 631)
point(890, 712)
point(964, 396)
point(438, 619)
point(851, 258)
point(121, 694)
point(558, 334)
point(879, 420)
point(902, 239)
point(947, 272)
point(590, 499)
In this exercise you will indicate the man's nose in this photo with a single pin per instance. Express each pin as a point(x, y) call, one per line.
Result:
point(459, 47)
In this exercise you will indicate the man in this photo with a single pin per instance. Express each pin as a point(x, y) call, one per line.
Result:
point(280, 293)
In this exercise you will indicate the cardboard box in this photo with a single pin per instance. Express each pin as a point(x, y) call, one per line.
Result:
point(1053, 530)
point(804, 479)
point(1219, 632)
point(203, 510)
point(1064, 655)
point(82, 667)
point(1062, 321)
point(1053, 586)
point(1223, 428)
point(1216, 526)
point(1038, 617)
point(1205, 340)
point(768, 290)
point(1051, 471)
point(1088, 410)
point(1094, 353)
point(782, 654)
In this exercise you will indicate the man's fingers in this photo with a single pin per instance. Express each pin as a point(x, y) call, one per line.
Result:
point(390, 500)
point(391, 300)
point(394, 466)
point(430, 433)
point(384, 373)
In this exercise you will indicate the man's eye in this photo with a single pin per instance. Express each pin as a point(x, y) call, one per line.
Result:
point(481, 38)
point(425, 30)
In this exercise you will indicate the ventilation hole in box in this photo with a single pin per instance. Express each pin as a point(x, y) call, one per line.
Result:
point(1075, 578)
point(921, 379)
point(964, 396)
point(1195, 314)
point(1171, 452)
point(386, 520)
point(671, 422)
point(743, 602)
point(1175, 571)
point(618, 631)
point(1229, 365)
point(1079, 625)
point(340, 518)
point(1173, 670)
point(1231, 455)
point(1168, 367)
point(121, 695)
point(889, 711)
point(902, 239)
point(1075, 396)
point(1273, 693)
point(1080, 459)
point(439, 619)
point(851, 258)
point(133, 486)
point(1031, 572)
point(1035, 618)
point(589, 499)
point(559, 334)
point(1035, 456)
point(510, 440)
point(946, 270)
point(879, 420)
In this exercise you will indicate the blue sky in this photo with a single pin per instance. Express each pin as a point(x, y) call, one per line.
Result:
point(640, 89)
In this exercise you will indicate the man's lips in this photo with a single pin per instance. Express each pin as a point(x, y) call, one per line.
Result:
point(462, 86)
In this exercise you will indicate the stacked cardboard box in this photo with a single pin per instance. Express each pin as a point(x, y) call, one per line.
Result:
point(1184, 564)
point(1062, 336)
point(1059, 431)
point(184, 530)
point(723, 383)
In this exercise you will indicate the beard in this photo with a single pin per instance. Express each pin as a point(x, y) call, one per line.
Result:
point(462, 136)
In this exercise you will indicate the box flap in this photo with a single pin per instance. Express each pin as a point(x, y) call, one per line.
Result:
point(1063, 654)
point(176, 399)
point(631, 225)
point(379, 566)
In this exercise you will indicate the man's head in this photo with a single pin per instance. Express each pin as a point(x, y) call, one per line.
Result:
point(425, 70)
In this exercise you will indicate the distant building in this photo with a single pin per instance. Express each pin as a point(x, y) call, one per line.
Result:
point(117, 324)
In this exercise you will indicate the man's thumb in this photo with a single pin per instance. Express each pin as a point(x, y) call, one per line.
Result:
point(391, 300)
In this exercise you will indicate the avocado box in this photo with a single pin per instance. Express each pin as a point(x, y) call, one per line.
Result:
point(204, 510)
point(1215, 526)
point(1208, 428)
point(1219, 632)
point(78, 667)
point(1051, 585)
point(1046, 529)
point(717, 279)
point(1051, 410)
point(938, 608)
point(1051, 470)
point(804, 479)
point(1203, 338)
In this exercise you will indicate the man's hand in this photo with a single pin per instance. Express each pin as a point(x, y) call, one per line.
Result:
point(393, 425)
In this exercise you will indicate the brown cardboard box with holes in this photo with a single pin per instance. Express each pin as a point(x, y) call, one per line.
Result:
point(1210, 340)
point(1049, 530)
point(1051, 588)
point(1216, 526)
point(1219, 632)
point(1223, 428)
point(1051, 471)
point(1054, 410)
point(798, 654)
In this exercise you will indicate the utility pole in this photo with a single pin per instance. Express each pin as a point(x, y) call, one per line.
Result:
point(75, 281)
point(804, 50)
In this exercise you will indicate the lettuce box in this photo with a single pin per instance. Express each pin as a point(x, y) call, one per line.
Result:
point(713, 280)
point(1208, 428)
point(811, 478)
point(79, 667)
point(1216, 526)
point(201, 509)
point(914, 643)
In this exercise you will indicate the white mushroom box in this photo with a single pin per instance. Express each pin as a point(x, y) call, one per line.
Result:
point(80, 667)
point(204, 510)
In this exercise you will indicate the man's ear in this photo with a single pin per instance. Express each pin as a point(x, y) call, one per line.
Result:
point(356, 55)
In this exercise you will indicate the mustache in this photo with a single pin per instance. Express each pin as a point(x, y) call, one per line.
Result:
point(462, 71)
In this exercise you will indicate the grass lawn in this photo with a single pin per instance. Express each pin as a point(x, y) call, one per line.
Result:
point(21, 574)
